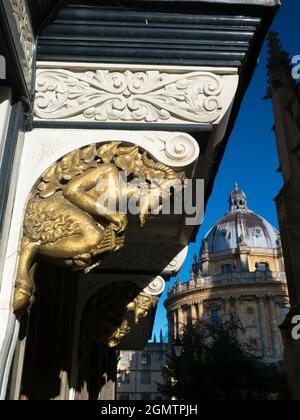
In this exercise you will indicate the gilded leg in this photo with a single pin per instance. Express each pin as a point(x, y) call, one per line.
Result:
point(23, 296)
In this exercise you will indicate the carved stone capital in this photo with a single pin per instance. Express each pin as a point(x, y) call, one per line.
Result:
point(106, 93)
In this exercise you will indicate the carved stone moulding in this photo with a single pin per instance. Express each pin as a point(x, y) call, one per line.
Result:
point(133, 94)
point(156, 287)
point(26, 37)
point(176, 264)
point(43, 147)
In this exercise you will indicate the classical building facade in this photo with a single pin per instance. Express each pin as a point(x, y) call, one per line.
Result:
point(284, 92)
point(92, 90)
point(240, 272)
point(140, 373)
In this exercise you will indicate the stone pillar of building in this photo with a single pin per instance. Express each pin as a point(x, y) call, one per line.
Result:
point(274, 328)
point(263, 326)
point(200, 310)
point(180, 319)
point(175, 329)
point(194, 313)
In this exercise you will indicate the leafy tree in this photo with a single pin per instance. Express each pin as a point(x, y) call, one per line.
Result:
point(215, 366)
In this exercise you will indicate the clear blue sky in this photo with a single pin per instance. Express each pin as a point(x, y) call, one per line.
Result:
point(251, 156)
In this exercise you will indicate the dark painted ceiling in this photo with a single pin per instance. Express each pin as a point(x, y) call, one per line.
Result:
point(146, 31)
point(98, 34)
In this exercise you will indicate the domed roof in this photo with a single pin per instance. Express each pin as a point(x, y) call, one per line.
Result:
point(240, 226)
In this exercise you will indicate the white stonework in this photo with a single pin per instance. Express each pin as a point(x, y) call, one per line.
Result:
point(46, 146)
point(9, 328)
point(156, 287)
point(23, 22)
point(175, 266)
point(110, 93)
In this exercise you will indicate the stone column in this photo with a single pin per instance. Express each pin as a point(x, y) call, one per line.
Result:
point(274, 329)
point(173, 324)
point(176, 327)
point(194, 313)
point(174, 315)
point(180, 320)
point(201, 310)
point(262, 326)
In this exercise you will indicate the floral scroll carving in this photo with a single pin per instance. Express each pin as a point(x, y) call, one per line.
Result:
point(128, 96)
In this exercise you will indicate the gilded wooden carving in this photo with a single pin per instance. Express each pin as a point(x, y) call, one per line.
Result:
point(65, 221)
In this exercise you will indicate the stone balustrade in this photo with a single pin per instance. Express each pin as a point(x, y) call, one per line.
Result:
point(228, 279)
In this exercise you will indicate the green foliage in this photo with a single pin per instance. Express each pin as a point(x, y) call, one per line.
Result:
point(215, 366)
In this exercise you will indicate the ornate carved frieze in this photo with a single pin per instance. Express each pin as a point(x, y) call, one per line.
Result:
point(22, 18)
point(148, 95)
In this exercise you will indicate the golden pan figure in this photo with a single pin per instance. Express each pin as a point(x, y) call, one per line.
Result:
point(63, 221)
